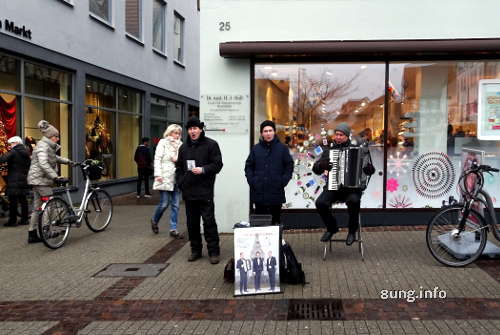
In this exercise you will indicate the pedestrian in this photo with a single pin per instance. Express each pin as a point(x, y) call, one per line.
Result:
point(142, 157)
point(18, 164)
point(43, 172)
point(268, 170)
point(198, 163)
point(166, 155)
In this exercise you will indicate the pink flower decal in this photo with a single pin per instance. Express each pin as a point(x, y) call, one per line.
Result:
point(392, 185)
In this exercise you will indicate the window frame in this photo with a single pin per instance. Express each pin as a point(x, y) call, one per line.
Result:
point(182, 21)
point(108, 23)
point(160, 52)
point(140, 38)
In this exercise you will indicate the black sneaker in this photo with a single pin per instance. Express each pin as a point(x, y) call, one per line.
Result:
point(154, 226)
point(327, 236)
point(351, 237)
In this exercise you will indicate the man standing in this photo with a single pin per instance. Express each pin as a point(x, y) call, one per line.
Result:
point(244, 266)
point(271, 269)
point(143, 159)
point(198, 163)
point(352, 197)
point(258, 267)
point(268, 170)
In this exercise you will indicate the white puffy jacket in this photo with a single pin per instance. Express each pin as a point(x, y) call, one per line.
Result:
point(164, 165)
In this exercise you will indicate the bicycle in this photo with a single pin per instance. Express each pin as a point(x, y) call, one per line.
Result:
point(57, 215)
point(457, 235)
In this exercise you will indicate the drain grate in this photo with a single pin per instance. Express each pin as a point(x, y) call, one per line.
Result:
point(131, 270)
point(318, 309)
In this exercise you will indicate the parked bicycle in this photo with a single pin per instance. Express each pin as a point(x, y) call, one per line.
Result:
point(57, 215)
point(457, 234)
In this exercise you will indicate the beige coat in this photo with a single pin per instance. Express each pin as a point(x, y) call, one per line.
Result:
point(164, 165)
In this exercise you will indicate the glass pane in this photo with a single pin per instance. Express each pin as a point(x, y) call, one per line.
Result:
point(129, 100)
point(133, 17)
point(58, 115)
point(99, 125)
point(128, 139)
point(10, 78)
point(178, 35)
point(307, 101)
point(9, 107)
point(100, 94)
point(159, 25)
point(100, 8)
point(158, 127)
point(47, 82)
point(158, 107)
point(432, 118)
point(174, 111)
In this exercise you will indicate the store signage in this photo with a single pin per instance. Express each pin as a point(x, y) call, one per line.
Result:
point(11, 27)
point(226, 113)
point(488, 117)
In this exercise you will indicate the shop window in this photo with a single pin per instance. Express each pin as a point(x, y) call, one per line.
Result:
point(133, 18)
point(129, 100)
point(10, 78)
point(47, 82)
point(127, 141)
point(100, 126)
point(101, 9)
point(159, 10)
point(163, 113)
point(179, 37)
point(432, 122)
point(100, 94)
point(307, 101)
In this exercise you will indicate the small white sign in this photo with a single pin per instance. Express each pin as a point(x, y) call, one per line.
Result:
point(227, 113)
point(488, 120)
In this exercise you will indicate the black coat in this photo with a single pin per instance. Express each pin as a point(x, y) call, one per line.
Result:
point(206, 154)
point(268, 169)
point(142, 157)
point(18, 160)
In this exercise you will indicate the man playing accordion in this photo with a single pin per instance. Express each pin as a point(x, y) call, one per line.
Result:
point(351, 196)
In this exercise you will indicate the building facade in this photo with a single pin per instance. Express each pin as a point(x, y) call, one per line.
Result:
point(104, 72)
point(404, 74)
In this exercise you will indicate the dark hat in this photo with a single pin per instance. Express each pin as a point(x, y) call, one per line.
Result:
point(344, 128)
point(267, 123)
point(194, 122)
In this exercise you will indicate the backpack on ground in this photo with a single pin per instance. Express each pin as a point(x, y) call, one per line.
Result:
point(290, 269)
point(229, 271)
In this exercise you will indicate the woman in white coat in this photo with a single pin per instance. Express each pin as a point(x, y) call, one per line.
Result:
point(164, 172)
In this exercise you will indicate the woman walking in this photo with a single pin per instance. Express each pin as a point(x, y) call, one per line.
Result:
point(164, 172)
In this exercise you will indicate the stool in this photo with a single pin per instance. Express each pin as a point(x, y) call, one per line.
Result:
point(357, 238)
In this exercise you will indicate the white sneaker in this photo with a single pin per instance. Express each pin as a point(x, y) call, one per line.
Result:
point(147, 195)
point(138, 196)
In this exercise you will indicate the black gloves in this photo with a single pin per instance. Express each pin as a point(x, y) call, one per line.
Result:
point(369, 169)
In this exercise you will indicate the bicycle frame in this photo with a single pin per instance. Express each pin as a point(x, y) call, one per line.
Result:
point(485, 199)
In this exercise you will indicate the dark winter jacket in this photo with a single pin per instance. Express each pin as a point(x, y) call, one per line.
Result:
point(268, 169)
point(142, 157)
point(206, 154)
point(18, 160)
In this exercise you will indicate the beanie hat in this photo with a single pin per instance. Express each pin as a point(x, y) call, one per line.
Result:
point(15, 139)
point(267, 123)
point(47, 129)
point(194, 122)
point(344, 128)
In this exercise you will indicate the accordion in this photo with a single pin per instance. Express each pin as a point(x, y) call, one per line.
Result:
point(347, 168)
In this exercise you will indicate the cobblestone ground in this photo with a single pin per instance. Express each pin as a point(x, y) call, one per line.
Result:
point(55, 292)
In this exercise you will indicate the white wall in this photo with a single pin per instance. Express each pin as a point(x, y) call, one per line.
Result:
point(70, 31)
point(295, 20)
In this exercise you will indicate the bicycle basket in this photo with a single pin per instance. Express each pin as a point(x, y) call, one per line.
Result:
point(94, 171)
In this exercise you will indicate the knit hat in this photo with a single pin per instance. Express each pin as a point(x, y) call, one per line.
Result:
point(47, 129)
point(194, 122)
point(15, 139)
point(344, 128)
point(267, 123)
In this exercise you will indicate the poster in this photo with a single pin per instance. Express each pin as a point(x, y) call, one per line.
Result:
point(488, 123)
point(256, 255)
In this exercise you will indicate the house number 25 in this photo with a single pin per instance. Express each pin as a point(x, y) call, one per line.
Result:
point(225, 26)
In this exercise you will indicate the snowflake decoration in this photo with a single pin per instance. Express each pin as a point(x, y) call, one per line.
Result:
point(400, 201)
point(392, 185)
point(398, 164)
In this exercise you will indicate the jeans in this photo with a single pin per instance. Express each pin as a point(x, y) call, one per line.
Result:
point(168, 198)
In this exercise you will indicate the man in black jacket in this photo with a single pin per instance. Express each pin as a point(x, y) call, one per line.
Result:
point(18, 160)
point(143, 159)
point(245, 266)
point(352, 197)
point(271, 269)
point(198, 163)
point(268, 170)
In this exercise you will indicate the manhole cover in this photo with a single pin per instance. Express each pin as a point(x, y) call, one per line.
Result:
point(131, 270)
point(330, 309)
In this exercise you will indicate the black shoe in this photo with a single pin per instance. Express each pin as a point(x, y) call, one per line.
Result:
point(23, 223)
point(33, 237)
point(351, 237)
point(327, 236)
point(154, 226)
point(10, 224)
point(193, 257)
point(214, 259)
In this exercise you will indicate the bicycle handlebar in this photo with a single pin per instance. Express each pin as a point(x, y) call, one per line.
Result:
point(486, 168)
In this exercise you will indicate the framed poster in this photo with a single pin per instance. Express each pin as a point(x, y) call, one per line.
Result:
point(256, 257)
point(488, 120)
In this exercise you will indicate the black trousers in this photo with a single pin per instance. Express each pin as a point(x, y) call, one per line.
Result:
point(274, 210)
point(272, 279)
point(196, 209)
point(256, 280)
point(352, 199)
point(243, 282)
point(13, 201)
point(143, 175)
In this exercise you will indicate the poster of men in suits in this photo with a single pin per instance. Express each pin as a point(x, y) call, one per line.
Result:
point(256, 254)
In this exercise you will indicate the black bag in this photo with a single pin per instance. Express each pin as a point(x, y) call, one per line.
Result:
point(229, 271)
point(290, 268)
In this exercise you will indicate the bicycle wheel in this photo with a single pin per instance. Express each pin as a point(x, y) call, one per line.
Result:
point(99, 210)
point(53, 224)
point(450, 246)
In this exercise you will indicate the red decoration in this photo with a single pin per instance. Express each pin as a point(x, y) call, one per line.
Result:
point(8, 116)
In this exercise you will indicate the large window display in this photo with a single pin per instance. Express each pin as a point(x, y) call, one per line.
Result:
point(113, 124)
point(307, 101)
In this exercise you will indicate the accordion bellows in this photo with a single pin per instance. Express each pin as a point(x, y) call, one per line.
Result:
point(347, 168)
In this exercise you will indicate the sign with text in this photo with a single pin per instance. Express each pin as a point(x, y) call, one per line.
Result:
point(228, 113)
point(488, 122)
point(11, 27)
